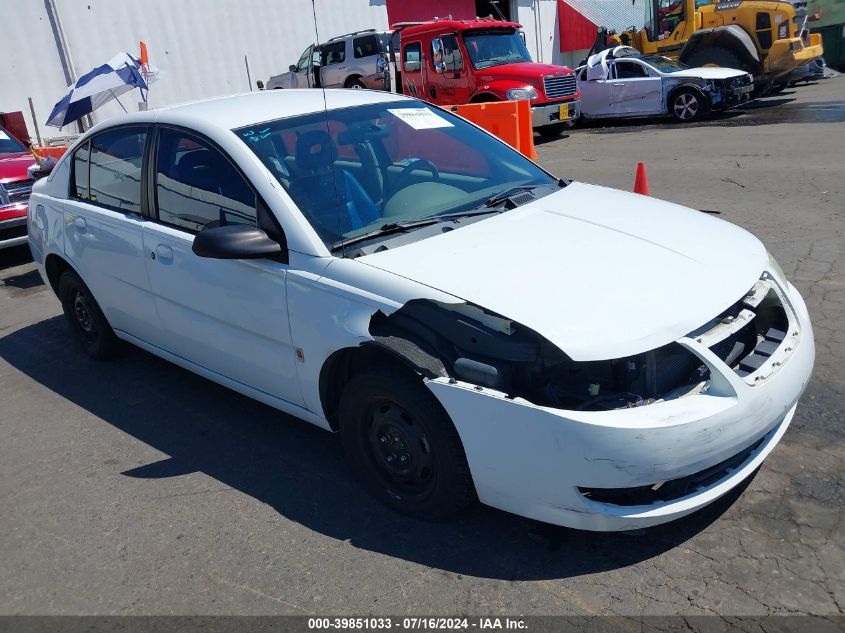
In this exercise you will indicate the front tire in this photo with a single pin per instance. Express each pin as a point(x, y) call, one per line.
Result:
point(551, 131)
point(87, 323)
point(354, 83)
point(686, 106)
point(402, 445)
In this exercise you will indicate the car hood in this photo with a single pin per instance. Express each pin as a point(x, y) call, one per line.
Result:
point(598, 272)
point(14, 166)
point(708, 72)
point(520, 71)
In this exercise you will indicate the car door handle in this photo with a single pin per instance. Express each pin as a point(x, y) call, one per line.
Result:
point(80, 223)
point(163, 253)
point(619, 85)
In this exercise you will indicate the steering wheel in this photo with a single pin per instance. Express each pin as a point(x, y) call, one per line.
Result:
point(406, 172)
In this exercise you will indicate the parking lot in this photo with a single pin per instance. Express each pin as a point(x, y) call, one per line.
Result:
point(134, 487)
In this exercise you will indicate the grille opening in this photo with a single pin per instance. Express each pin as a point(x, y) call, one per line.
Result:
point(674, 488)
point(557, 87)
point(746, 334)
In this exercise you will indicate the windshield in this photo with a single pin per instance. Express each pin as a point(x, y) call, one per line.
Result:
point(664, 64)
point(494, 47)
point(354, 170)
point(9, 144)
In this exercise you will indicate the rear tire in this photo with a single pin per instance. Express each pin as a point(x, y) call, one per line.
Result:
point(402, 445)
point(551, 131)
point(87, 323)
point(354, 83)
point(686, 106)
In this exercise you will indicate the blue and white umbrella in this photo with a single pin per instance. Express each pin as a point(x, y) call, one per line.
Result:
point(120, 74)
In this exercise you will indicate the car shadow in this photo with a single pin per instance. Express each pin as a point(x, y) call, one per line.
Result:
point(299, 470)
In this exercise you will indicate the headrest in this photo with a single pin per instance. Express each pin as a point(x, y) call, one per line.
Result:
point(314, 150)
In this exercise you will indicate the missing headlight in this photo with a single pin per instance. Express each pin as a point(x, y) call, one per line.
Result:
point(625, 382)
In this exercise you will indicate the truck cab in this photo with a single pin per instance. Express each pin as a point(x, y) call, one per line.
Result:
point(453, 62)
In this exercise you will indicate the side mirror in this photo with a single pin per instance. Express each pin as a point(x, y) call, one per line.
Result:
point(440, 67)
point(259, 84)
point(234, 241)
point(292, 68)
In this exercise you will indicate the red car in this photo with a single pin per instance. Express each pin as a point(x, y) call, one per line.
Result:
point(15, 187)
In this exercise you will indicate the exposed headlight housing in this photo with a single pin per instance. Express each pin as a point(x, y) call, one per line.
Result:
point(517, 94)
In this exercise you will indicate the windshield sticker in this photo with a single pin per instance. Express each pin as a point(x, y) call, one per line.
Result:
point(420, 118)
point(256, 135)
point(3, 136)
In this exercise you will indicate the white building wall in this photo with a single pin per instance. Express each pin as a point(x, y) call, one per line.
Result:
point(198, 45)
point(539, 22)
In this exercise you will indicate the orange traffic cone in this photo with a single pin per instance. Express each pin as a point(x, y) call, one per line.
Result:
point(641, 181)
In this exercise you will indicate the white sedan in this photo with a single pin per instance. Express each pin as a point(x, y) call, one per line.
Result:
point(619, 82)
point(472, 326)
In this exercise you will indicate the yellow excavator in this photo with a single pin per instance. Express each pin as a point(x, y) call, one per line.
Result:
point(766, 38)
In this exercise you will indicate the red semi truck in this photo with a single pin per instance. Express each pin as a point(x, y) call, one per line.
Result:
point(453, 62)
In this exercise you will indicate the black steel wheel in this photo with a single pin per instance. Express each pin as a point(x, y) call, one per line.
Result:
point(403, 446)
point(88, 324)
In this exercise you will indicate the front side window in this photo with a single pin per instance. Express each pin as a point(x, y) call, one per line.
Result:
point(305, 59)
point(114, 169)
point(629, 70)
point(197, 187)
point(449, 54)
point(351, 171)
point(495, 47)
point(411, 57)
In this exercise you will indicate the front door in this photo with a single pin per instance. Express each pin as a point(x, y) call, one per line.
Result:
point(227, 316)
point(635, 91)
point(446, 73)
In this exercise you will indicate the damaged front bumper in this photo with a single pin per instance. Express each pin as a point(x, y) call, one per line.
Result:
point(631, 468)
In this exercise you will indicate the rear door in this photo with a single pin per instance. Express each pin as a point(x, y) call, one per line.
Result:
point(227, 316)
point(636, 90)
point(334, 70)
point(104, 218)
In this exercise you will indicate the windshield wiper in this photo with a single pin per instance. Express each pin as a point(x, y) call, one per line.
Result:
point(507, 194)
point(384, 229)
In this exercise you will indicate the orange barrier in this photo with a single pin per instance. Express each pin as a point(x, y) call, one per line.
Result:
point(50, 152)
point(509, 120)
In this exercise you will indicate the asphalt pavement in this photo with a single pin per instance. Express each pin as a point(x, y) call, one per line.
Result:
point(134, 487)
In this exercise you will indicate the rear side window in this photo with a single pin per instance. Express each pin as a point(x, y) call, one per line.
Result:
point(365, 46)
point(107, 170)
point(334, 53)
point(197, 186)
point(411, 57)
point(81, 161)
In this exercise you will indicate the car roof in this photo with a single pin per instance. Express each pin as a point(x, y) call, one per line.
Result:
point(234, 111)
